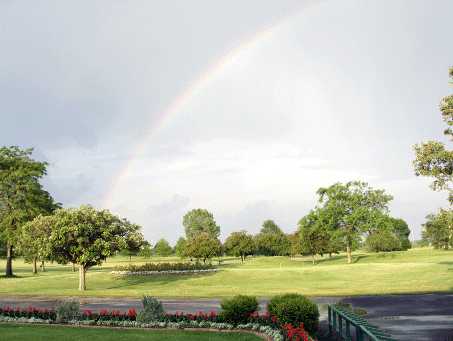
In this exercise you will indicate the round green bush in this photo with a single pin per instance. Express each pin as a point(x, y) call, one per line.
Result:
point(295, 309)
point(238, 308)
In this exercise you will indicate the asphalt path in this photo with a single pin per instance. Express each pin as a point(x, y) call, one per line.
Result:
point(406, 317)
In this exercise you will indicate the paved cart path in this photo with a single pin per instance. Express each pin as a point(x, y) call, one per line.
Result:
point(406, 317)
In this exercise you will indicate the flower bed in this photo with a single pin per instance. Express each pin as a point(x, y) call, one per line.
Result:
point(163, 268)
point(263, 324)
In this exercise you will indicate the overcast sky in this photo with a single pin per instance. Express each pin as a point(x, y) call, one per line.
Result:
point(245, 108)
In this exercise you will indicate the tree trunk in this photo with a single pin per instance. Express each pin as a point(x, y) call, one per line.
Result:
point(348, 251)
point(330, 254)
point(242, 258)
point(35, 267)
point(130, 258)
point(82, 272)
point(73, 267)
point(313, 259)
point(9, 260)
point(43, 266)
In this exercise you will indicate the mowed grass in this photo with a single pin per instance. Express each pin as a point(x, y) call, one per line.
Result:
point(57, 333)
point(413, 271)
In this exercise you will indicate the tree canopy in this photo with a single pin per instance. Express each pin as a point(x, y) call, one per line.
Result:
point(86, 236)
point(438, 229)
point(22, 197)
point(200, 220)
point(433, 158)
point(240, 244)
point(351, 209)
point(203, 246)
point(163, 248)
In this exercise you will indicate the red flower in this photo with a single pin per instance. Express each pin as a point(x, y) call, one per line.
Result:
point(87, 312)
point(103, 312)
point(131, 313)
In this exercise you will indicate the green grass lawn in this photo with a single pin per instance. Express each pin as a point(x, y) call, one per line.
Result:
point(413, 271)
point(51, 333)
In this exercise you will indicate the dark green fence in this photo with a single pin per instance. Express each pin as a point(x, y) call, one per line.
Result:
point(348, 326)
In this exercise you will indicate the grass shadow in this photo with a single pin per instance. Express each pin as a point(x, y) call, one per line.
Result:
point(125, 281)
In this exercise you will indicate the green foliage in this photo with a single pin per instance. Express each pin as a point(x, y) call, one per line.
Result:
point(68, 311)
point(180, 247)
point(152, 310)
point(269, 226)
point(438, 229)
point(271, 241)
point(134, 240)
point(203, 246)
point(86, 236)
point(238, 308)
point(295, 244)
point(295, 309)
point(34, 239)
point(383, 241)
point(352, 209)
point(433, 158)
point(146, 251)
point(22, 197)
point(314, 235)
point(240, 244)
point(402, 232)
point(163, 248)
point(198, 221)
point(163, 267)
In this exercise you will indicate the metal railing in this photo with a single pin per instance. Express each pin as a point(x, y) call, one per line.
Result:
point(348, 326)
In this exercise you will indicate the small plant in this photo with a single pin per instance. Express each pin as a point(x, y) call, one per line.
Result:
point(68, 311)
point(239, 308)
point(152, 310)
point(295, 309)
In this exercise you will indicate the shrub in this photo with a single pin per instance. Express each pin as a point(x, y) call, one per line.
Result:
point(382, 241)
point(295, 309)
point(164, 267)
point(152, 310)
point(68, 311)
point(239, 308)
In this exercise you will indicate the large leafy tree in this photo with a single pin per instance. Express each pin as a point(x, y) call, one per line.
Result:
point(401, 231)
point(200, 220)
point(438, 229)
point(351, 208)
point(180, 247)
point(163, 248)
point(435, 159)
point(86, 236)
point(34, 240)
point(203, 246)
point(134, 241)
point(240, 244)
point(271, 241)
point(314, 235)
point(22, 197)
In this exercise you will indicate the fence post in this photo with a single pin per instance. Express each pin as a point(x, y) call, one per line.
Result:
point(334, 321)
point(348, 330)
point(340, 325)
point(329, 313)
point(358, 334)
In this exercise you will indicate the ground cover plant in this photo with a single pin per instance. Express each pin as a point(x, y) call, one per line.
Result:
point(416, 270)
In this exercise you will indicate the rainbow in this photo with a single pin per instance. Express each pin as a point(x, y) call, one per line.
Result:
point(190, 92)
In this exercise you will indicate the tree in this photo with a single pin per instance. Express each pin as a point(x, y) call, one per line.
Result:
point(240, 244)
point(22, 197)
point(34, 240)
point(269, 226)
point(199, 220)
point(163, 248)
point(438, 229)
point(295, 244)
point(180, 247)
point(351, 209)
point(134, 240)
point(433, 158)
point(146, 251)
point(383, 241)
point(86, 236)
point(314, 235)
point(203, 246)
point(401, 231)
point(271, 241)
